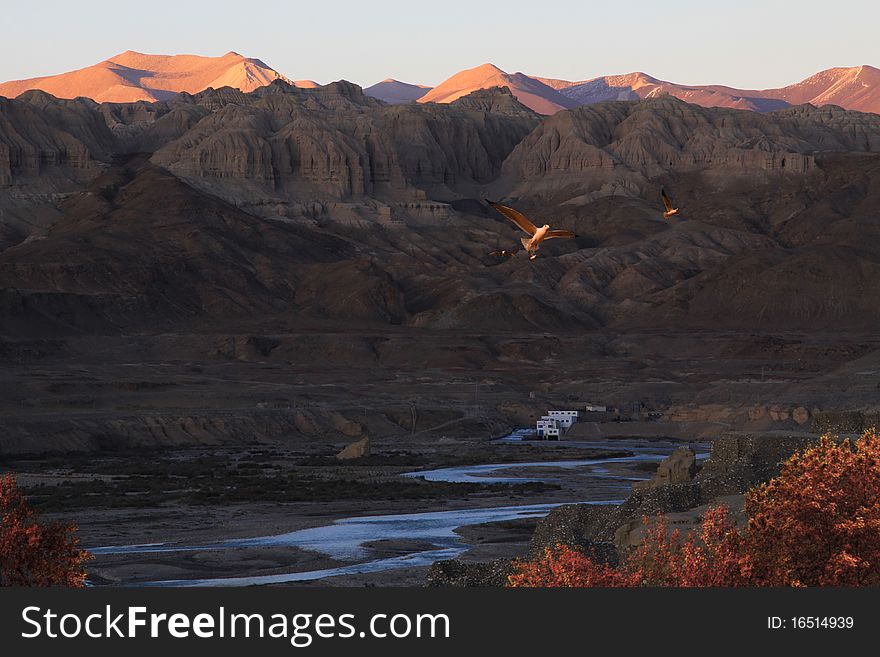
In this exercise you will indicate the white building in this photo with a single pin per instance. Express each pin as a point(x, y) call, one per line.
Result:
point(565, 418)
point(553, 434)
point(547, 425)
point(555, 424)
point(596, 408)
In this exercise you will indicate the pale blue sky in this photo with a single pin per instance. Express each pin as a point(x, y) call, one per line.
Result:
point(745, 43)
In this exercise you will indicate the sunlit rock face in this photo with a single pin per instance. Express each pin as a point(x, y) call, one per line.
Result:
point(530, 91)
point(132, 76)
point(856, 88)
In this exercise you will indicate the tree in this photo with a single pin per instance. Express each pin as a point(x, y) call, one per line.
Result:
point(816, 524)
point(35, 554)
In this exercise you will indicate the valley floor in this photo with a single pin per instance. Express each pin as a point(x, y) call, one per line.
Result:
point(191, 438)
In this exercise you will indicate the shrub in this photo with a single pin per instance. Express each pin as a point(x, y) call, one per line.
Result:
point(818, 522)
point(35, 554)
point(566, 567)
point(713, 556)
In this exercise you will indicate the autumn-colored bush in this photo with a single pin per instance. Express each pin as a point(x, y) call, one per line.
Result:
point(566, 567)
point(716, 555)
point(34, 553)
point(713, 556)
point(816, 524)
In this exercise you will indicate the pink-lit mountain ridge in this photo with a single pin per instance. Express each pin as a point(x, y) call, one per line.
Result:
point(133, 76)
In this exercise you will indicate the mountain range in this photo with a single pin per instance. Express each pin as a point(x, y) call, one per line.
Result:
point(196, 243)
point(771, 200)
point(132, 76)
point(856, 88)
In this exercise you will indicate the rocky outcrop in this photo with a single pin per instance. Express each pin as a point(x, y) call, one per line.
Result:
point(751, 458)
point(738, 460)
point(334, 142)
point(41, 136)
point(800, 415)
point(355, 450)
point(299, 145)
point(677, 468)
point(632, 532)
point(631, 142)
point(453, 572)
point(576, 526)
point(845, 422)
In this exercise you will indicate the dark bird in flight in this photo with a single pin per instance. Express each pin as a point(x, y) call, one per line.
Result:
point(503, 253)
point(670, 211)
point(536, 234)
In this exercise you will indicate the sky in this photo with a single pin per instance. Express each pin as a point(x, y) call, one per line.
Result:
point(746, 44)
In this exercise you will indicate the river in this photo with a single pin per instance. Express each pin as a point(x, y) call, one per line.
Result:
point(598, 481)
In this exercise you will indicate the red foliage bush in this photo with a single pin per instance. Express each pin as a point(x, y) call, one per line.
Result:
point(566, 567)
point(34, 554)
point(816, 524)
point(716, 555)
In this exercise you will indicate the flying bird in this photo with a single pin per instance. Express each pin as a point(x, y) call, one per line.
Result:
point(499, 256)
point(536, 234)
point(670, 211)
point(502, 253)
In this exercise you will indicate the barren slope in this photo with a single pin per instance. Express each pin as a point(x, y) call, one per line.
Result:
point(132, 76)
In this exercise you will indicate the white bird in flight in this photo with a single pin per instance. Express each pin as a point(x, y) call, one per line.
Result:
point(536, 234)
point(670, 211)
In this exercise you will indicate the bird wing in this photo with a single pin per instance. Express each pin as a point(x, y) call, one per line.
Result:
point(558, 233)
point(515, 217)
point(666, 200)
